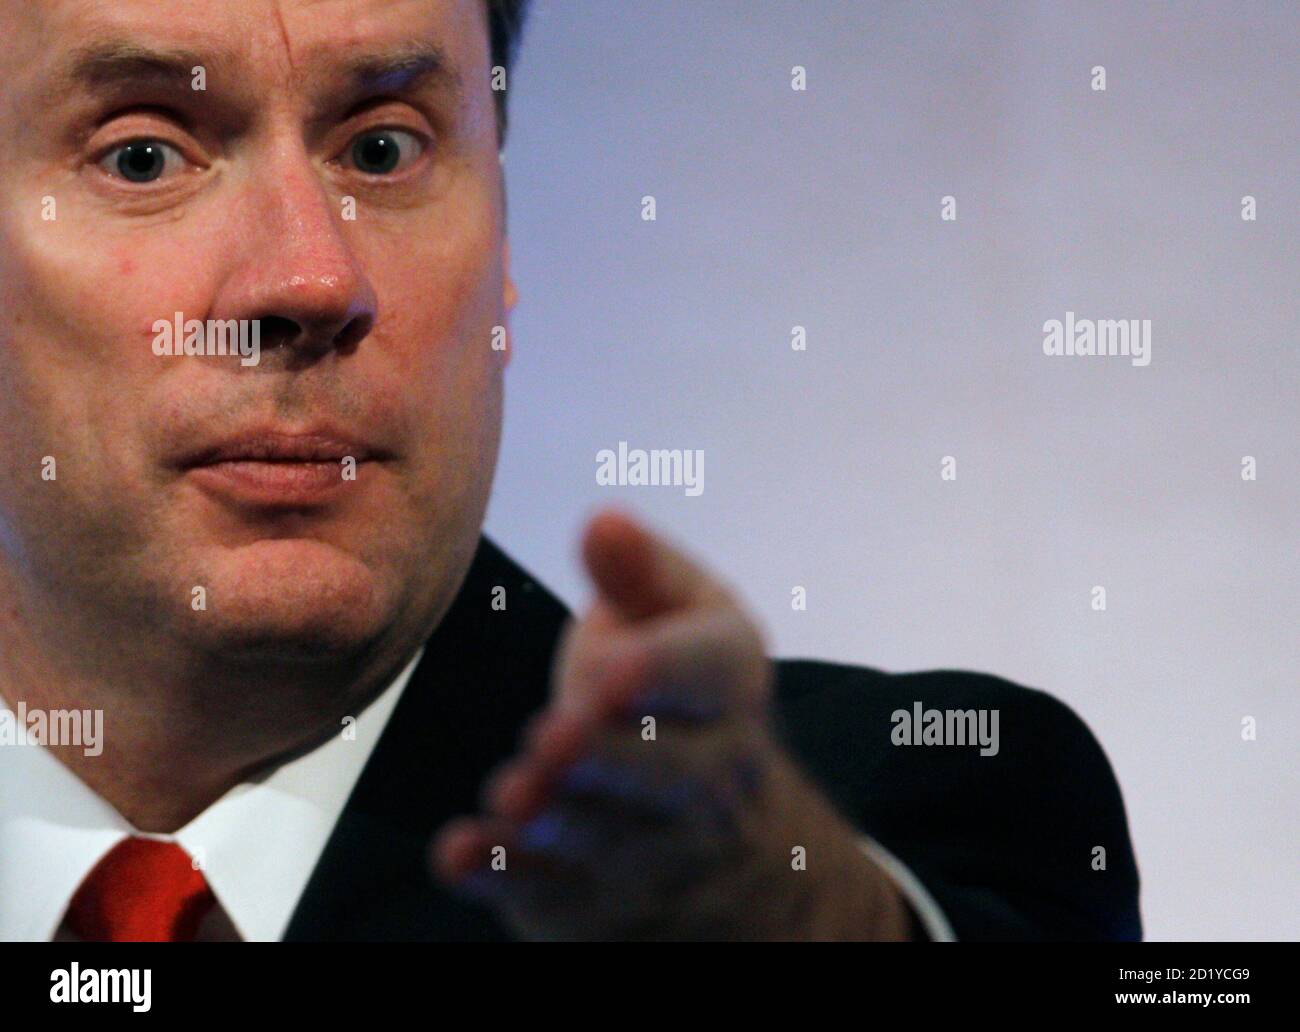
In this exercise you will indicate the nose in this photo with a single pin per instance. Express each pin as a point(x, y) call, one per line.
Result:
point(296, 271)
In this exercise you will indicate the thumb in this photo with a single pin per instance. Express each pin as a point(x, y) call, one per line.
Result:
point(638, 573)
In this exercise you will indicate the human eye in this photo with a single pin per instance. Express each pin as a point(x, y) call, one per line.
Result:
point(381, 152)
point(144, 160)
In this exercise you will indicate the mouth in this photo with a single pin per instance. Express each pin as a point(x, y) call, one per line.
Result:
point(278, 468)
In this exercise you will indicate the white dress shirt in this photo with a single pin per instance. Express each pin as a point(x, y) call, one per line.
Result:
point(910, 888)
point(257, 845)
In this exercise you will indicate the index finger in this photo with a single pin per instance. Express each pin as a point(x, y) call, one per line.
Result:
point(640, 574)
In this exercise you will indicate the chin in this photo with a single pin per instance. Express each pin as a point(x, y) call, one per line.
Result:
point(293, 599)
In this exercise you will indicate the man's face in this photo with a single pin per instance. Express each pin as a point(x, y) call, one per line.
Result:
point(128, 195)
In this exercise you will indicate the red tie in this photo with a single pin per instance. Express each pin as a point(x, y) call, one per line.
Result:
point(142, 891)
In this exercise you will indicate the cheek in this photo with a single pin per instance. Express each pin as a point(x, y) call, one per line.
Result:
point(438, 326)
point(76, 361)
point(87, 308)
point(440, 309)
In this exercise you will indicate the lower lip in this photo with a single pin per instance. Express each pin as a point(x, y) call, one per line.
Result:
point(253, 482)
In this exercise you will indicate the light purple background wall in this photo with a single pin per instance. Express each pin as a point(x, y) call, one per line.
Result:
point(822, 468)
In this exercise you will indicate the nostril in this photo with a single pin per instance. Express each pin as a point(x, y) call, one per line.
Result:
point(357, 329)
point(278, 331)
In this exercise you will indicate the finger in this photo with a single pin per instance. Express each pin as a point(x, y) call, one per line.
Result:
point(699, 666)
point(639, 573)
point(575, 664)
point(521, 787)
point(565, 873)
point(470, 852)
point(699, 670)
point(633, 786)
point(696, 666)
point(464, 845)
point(482, 859)
point(690, 776)
point(601, 844)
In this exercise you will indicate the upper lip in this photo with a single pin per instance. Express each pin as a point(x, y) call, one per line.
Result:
point(272, 445)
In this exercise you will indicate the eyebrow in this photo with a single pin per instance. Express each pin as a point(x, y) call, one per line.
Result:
point(111, 63)
point(404, 68)
point(115, 63)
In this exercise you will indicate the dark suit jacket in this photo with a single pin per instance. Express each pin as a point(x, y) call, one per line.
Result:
point(1004, 843)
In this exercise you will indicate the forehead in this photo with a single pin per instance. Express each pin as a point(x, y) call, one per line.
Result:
point(287, 41)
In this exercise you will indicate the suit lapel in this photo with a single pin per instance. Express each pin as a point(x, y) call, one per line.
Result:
point(483, 673)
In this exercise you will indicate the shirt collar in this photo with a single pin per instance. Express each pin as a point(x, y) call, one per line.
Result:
point(257, 845)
